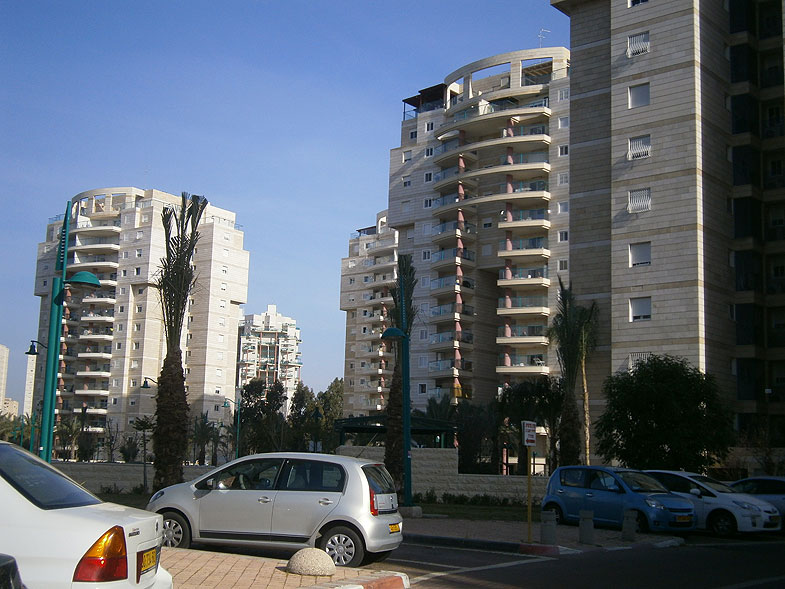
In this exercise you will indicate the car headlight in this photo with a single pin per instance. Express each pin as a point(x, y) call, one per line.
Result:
point(745, 505)
point(157, 496)
point(654, 503)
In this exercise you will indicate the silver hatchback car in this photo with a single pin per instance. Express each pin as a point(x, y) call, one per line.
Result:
point(343, 505)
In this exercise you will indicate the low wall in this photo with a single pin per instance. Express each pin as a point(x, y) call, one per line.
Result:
point(437, 469)
point(97, 476)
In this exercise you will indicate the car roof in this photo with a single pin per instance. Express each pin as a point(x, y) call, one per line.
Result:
point(766, 477)
point(679, 472)
point(338, 458)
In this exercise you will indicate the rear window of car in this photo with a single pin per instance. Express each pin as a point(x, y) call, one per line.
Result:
point(42, 485)
point(572, 477)
point(379, 479)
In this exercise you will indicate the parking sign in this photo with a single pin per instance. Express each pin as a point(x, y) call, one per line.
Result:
point(529, 433)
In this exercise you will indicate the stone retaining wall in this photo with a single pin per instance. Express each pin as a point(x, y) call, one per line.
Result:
point(97, 476)
point(437, 469)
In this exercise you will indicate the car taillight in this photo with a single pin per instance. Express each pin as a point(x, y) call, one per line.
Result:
point(107, 559)
point(374, 505)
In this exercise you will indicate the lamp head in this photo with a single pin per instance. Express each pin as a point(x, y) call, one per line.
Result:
point(32, 351)
point(145, 384)
point(393, 333)
point(84, 278)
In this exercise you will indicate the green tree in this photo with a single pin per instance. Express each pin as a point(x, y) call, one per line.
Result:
point(67, 431)
point(263, 427)
point(664, 413)
point(175, 281)
point(477, 431)
point(201, 434)
point(129, 449)
point(393, 445)
point(573, 331)
point(330, 402)
point(300, 412)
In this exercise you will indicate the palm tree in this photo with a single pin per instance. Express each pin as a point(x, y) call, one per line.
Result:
point(574, 331)
point(68, 431)
point(144, 424)
point(202, 435)
point(175, 281)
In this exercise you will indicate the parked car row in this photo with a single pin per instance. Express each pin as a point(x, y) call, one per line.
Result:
point(666, 500)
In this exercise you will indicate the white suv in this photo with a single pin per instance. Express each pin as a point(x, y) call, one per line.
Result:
point(346, 506)
point(720, 508)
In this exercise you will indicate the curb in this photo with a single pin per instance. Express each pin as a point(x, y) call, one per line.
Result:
point(389, 581)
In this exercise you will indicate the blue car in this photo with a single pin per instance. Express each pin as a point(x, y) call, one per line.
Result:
point(609, 492)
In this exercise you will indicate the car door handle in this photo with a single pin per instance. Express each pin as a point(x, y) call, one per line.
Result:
point(590, 494)
point(325, 501)
point(264, 500)
point(559, 491)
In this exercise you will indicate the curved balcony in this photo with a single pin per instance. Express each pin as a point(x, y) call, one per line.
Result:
point(88, 228)
point(93, 392)
point(94, 263)
point(107, 297)
point(524, 277)
point(452, 312)
point(532, 364)
point(449, 367)
point(523, 305)
point(94, 248)
point(97, 334)
point(383, 246)
point(522, 335)
point(535, 247)
point(451, 230)
point(104, 371)
point(529, 192)
point(95, 355)
point(485, 119)
point(452, 257)
point(451, 284)
point(445, 340)
point(448, 153)
point(525, 221)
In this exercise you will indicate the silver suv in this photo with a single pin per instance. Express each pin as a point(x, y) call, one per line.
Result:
point(346, 506)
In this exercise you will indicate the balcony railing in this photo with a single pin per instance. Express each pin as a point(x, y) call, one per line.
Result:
point(451, 336)
point(527, 186)
point(447, 281)
point(522, 360)
point(526, 215)
point(451, 309)
point(534, 157)
point(441, 365)
point(448, 173)
point(523, 244)
point(447, 146)
point(524, 130)
point(521, 273)
point(103, 313)
point(523, 302)
point(492, 107)
point(522, 331)
point(104, 331)
point(456, 252)
point(454, 226)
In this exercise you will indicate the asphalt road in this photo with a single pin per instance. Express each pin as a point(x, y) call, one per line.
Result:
point(702, 563)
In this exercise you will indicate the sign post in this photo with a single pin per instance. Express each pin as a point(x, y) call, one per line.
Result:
point(529, 429)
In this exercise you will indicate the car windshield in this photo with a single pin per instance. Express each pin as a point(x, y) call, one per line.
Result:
point(712, 484)
point(379, 479)
point(39, 483)
point(640, 482)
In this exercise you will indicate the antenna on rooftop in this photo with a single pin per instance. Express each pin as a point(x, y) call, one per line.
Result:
point(542, 36)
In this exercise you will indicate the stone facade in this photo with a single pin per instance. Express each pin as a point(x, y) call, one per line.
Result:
point(97, 476)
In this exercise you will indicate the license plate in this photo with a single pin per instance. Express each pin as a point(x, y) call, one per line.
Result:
point(395, 528)
point(683, 518)
point(149, 560)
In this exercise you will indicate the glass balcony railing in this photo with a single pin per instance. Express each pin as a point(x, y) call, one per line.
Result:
point(451, 309)
point(523, 302)
point(451, 336)
point(440, 365)
point(523, 130)
point(527, 215)
point(96, 313)
point(518, 273)
point(532, 80)
point(446, 146)
point(447, 281)
point(527, 186)
point(535, 157)
point(447, 173)
point(455, 252)
point(521, 360)
point(495, 106)
point(453, 226)
point(523, 244)
point(94, 331)
point(522, 331)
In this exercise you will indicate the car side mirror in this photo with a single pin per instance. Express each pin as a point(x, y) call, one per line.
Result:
point(205, 485)
point(696, 492)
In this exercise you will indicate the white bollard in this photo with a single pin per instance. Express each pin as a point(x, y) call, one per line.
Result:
point(548, 528)
point(629, 525)
point(586, 527)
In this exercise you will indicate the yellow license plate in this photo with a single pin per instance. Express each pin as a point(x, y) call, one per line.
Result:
point(395, 528)
point(149, 560)
point(683, 518)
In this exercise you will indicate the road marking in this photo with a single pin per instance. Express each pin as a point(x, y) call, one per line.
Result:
point(487, 567)
point(423, 562)
point(755, 583)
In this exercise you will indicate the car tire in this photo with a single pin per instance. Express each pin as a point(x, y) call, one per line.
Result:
point(177, 534)
point(343, 545)
point(557, 510)
point(641, 523)
point(721, 523)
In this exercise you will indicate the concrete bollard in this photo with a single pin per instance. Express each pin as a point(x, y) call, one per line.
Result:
point(629, 526)
point(548, 528)
point(586, 527)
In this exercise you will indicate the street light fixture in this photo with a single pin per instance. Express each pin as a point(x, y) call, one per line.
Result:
point(55, 330)
point(145, 384)
point(239, 405)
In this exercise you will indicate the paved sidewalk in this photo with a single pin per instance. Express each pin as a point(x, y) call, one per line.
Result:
point(192, 569)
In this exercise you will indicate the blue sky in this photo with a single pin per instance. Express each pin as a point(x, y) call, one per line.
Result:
point(284, 112)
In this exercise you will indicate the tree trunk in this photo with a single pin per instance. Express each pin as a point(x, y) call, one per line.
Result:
point(569, 432)
point(393, 444)
point(170, 436)
point(586, 415)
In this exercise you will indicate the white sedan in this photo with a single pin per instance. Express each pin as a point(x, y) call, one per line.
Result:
point(63, 536)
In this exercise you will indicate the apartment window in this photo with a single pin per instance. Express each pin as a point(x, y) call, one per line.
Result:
point(366, 279)
point(429, 126)
point(137, 271)
point(139, 253)
point(223, 286)
point(227, 237)
point(426, 255)
point(422, 388)
point(636, 358)
point(639, 147)
point(563, 178)
point(424, 308)
point(564, 122)
point(120, 327)
point(564, 236)
point(140, 291)
point(640, 254)
point(428, 177)
point(226, 252)
point(429, 152)
point(639, 200)
point(638, 96)
point(125, 255)
point(487, 223)
point(422, 361)
point(121, 309)
point(640, 309)
point(137, 326)
point(124, 273)
point(427, 203)
point(564, 150)
point(423, 334)
point(219, 372)
point(412, 134)
point(564, 94)
point(631, 3)
point(224, 269)
point(45, 282)
point(139, 234)
point(407, 181)
point(220, 338)
point(564, 206)
point(222, 304)
point(425, 281)
point(222, 322)
point(136, 345)
point(638, 44)
point(138, 308)
point(486, 250)
point(134, 363)
point(351, 281)
point(563, 265)
point(119, 346)
point(132, 402)
point(407, 155)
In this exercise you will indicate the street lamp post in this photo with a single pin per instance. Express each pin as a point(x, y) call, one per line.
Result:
point(400, 334)
point(55, 329)
point(239, 405)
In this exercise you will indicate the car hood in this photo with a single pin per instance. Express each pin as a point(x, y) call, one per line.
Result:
point(752, 500)
point(669, 500)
